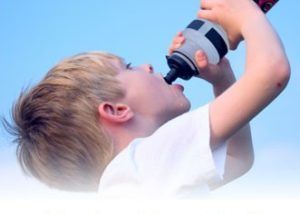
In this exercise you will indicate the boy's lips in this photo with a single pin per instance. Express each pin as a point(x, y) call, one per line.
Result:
point(178, 86)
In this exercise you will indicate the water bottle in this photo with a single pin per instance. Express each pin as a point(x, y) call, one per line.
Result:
point(207, 36)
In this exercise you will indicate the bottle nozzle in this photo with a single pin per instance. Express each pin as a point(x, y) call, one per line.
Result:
point(171, 76)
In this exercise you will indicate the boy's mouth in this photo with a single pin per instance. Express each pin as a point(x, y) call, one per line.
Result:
point(178, 86)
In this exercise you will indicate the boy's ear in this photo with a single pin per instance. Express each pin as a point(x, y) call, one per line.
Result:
point(115, 112)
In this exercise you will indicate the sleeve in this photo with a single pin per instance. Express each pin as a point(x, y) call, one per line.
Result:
point(178, 159)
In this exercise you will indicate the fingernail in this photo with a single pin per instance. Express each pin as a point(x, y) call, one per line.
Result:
point(180, 33)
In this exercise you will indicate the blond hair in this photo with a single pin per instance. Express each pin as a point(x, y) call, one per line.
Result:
point(57, 126)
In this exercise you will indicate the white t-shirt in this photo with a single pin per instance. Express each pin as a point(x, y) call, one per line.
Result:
point(175, 161)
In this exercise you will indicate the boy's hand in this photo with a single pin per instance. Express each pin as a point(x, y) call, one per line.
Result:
point(220, 75)
point(232, 15)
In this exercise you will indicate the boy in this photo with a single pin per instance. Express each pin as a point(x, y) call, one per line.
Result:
point(93, 119)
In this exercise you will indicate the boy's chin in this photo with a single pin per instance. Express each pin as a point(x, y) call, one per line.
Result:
point(188, 106)
point(184, 107)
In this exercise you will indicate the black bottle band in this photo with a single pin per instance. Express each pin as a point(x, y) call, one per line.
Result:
point(196, 24)
point(214, 37)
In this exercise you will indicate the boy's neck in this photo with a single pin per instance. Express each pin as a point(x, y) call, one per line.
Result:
point(123, 135)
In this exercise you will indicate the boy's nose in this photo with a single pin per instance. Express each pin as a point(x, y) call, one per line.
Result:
point(148, 68)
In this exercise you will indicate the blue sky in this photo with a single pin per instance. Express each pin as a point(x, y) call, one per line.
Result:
point(37, 34)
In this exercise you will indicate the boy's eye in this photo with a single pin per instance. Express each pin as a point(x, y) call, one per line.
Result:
point(128, 66)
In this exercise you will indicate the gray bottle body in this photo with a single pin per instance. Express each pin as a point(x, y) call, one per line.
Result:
point(199, 34)
point(196, 38)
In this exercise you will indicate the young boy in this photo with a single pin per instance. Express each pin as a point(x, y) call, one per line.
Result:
point(96, 123)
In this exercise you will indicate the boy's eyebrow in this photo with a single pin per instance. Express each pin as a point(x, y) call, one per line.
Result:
point(124, 63)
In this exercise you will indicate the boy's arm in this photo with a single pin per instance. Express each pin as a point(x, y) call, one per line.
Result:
point(266, 71)
point(240, 156)
point(266, 74)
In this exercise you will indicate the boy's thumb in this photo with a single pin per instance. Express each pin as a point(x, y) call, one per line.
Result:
point(201, 59)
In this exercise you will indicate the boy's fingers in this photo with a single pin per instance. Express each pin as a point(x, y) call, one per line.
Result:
point(173, 48)
point(179, 33)
point(177, 42)
point(201, 59)
point(224, 61)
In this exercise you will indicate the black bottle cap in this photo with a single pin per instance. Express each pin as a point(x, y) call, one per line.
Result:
point(171, 76)
point(179, 68)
